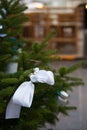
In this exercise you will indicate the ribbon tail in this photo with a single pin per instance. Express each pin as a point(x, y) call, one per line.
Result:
point(12, 110)
point(24, 94)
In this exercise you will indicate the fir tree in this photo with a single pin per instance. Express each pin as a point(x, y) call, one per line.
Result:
point(45, 106)
point(11, 20)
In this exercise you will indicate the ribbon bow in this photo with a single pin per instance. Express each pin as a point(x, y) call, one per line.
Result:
point(23, 96)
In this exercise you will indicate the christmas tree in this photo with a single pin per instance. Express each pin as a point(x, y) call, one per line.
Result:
point(48, 100)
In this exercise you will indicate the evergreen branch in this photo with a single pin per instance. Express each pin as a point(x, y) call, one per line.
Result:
point(63, 70)
point(4, 58)
point(48, 38)
point(65, 109)
point(9, 81)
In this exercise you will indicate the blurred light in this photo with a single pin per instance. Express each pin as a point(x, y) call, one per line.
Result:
point(86, 6)
point(1, 27)
point(35, 5)
point(3, 35)
point(0, 17)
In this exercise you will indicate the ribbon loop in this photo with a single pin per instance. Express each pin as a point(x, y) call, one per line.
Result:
point(42, 76)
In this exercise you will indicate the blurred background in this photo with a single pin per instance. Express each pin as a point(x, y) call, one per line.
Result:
point(67, 18)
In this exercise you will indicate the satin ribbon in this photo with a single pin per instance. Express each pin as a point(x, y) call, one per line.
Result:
point(23, 96)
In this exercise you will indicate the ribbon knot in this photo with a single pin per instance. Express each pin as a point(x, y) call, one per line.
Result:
point(23, 96)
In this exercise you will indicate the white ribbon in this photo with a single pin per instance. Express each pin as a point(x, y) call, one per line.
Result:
point(23, 96)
